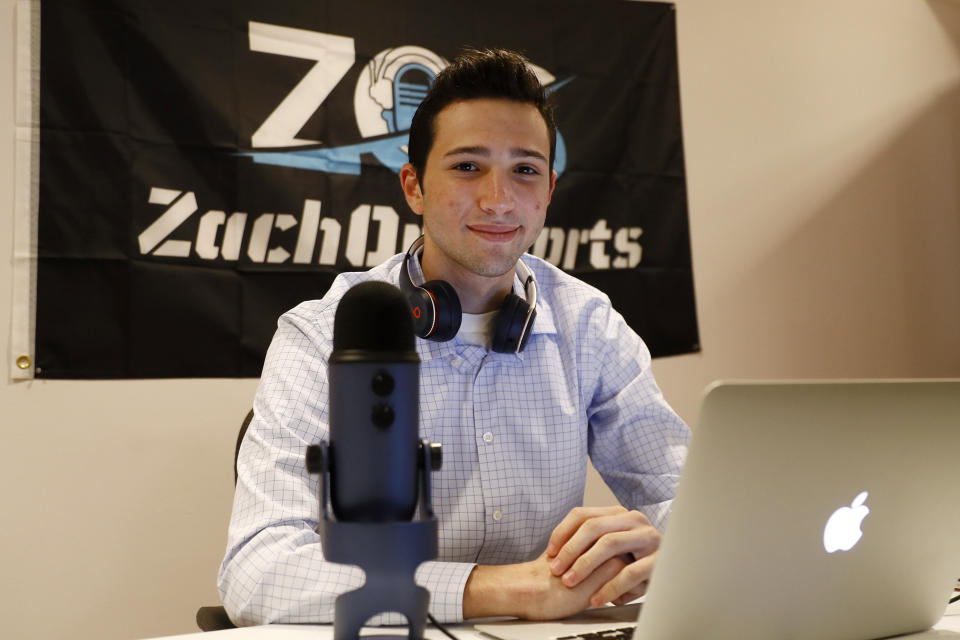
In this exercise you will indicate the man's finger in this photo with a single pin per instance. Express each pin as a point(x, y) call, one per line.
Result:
point(630, 596)
point(628, 580)
point(633, 543)
point(602, 538)
point(590, 531)
point(572, 521)
point(606, 572)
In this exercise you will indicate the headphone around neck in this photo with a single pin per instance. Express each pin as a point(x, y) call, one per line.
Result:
point(437, 312)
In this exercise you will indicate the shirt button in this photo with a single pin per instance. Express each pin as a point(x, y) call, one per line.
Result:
point(488, 437)
point(497, 515)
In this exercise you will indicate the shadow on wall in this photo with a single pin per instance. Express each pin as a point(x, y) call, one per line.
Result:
point(873, 276)
point(947, 13)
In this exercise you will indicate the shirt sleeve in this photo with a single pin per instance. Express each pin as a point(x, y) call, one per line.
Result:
point(637, 442)
point(274, 569)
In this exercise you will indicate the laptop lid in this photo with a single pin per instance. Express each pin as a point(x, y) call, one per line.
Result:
point(813, 510)
point(745, 553)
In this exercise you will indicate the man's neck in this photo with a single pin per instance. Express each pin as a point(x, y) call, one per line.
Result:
point(484, 296)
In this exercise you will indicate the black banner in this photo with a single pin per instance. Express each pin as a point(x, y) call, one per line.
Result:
point(206, 165)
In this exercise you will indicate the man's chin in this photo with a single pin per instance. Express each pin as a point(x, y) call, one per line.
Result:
point(494, 269)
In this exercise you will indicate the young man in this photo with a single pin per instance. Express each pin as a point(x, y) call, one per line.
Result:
point(516, 427)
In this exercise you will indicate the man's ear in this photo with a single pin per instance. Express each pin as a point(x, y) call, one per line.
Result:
point(411, 188)
point(553, 185)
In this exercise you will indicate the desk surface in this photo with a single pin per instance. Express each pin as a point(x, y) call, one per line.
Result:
point(947, 627)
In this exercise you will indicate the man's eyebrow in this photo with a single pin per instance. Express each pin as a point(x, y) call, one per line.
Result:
point(527, 153)
point(476, 151)
point(516, 152)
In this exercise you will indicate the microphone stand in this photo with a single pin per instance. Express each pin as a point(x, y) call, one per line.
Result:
point(388, 552)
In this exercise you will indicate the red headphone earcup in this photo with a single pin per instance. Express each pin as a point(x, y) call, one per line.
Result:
point(448, 310)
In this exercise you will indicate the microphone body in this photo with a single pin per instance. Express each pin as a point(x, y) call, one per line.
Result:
point(374, 391)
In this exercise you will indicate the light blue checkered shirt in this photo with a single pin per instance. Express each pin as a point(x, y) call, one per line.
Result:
point(515, 429)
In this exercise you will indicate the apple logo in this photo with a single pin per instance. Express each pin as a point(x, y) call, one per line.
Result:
point(843, 528)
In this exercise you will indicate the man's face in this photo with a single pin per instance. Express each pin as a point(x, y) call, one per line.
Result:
point(490, 184)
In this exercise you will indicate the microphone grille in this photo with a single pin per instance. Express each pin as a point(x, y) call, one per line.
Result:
point(373, 316)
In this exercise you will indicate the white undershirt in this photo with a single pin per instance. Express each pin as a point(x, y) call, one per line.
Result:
point(477, 328)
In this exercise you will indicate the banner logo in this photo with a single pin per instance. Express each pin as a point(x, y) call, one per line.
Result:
point(386, 96)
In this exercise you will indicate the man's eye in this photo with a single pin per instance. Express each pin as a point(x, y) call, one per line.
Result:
point(465, 166)
point(527, 169)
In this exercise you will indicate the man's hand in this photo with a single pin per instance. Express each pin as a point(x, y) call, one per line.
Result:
point(589, 537)
point(529, 590)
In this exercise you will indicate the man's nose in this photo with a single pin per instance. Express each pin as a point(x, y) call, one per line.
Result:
point(496, 194)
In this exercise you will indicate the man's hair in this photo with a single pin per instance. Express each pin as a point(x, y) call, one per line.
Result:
point(477, 73)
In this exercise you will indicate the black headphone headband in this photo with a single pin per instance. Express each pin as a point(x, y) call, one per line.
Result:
point(437, 312)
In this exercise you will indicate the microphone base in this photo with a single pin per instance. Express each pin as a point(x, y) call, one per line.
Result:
point(389, 553)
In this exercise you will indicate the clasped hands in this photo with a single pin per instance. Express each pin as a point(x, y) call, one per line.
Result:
point(594, 556)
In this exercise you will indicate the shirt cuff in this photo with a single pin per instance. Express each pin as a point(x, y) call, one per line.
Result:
point(446, 582)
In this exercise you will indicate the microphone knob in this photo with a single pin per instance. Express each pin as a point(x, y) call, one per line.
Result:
point(315, 461)
point(382, 383)
point(436, 456)
point(382, 415)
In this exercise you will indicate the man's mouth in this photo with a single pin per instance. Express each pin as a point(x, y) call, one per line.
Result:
point(495, 233)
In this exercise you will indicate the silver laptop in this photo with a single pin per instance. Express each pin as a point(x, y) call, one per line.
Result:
point(806, 510)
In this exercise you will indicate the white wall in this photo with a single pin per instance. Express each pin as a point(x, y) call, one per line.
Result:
point(823, 160)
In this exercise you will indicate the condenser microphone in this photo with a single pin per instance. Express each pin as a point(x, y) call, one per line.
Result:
point(374, 378)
